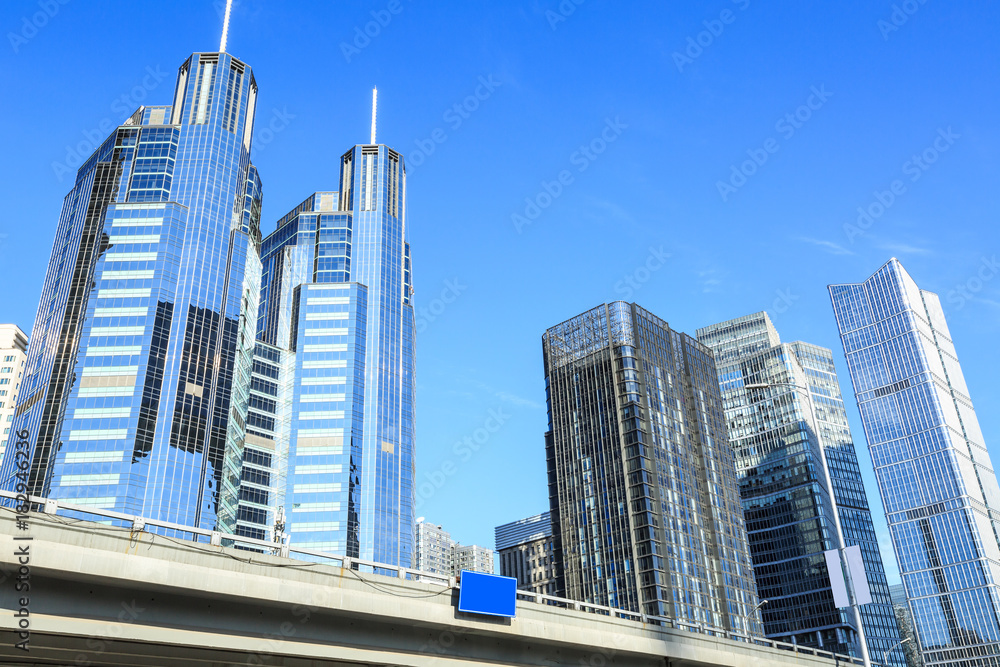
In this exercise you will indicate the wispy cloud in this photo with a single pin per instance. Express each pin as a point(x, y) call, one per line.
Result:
point(904, 249)
point(710, 279)
point(507, 397)
point(606, 210)
point(829, 246)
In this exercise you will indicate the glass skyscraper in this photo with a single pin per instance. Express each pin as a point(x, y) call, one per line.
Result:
point(786, 501)
point(941, 496)
point(645, 505)
point(136, 385)
point(335, 298)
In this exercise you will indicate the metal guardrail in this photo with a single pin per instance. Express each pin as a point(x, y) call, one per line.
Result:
point(216, 538)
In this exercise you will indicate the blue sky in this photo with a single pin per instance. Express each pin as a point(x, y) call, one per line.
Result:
point(619, 122)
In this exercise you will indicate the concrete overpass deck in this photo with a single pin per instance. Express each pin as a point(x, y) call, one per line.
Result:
point(103, 595)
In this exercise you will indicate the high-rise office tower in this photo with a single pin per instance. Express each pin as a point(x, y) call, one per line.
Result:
point(13, 354)
point(940, 493)
point(135, 389)
point(644, 499)
point(778, 434)
point(335, 296)
point(527, 553)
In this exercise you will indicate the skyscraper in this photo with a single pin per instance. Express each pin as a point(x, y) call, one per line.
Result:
point(644, 500)
point(778, 441)
point(940, 493)
point(335, 298)
point(13, 353)
point(135, 389)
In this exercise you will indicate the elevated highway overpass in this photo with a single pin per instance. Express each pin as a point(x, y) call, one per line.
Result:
point(103, 595)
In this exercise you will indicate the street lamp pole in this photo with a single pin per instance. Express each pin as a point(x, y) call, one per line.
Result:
point(746, 619)
point(841, 543)
point(885, 654)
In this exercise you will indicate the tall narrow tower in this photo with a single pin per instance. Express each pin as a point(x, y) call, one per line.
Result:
point(937, 483)
point(135, 388)
point(336, 291)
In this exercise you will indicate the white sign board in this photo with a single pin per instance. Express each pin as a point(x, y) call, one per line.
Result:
point(856, 565)
point(838, 583)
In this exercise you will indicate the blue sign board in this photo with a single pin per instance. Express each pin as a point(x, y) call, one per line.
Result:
point(488, 594)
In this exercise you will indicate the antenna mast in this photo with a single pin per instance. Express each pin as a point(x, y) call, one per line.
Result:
point(374, 111)
point(225, 26)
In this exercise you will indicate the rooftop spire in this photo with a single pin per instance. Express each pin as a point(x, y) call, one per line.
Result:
point(225, 26)
point(374, 111)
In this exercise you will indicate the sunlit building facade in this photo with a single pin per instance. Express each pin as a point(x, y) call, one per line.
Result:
point(937, 483)
point(526, 552)
point(135, 388)
point(336, 298)
point(778, 442)
point(644, 500)
point(13, 354)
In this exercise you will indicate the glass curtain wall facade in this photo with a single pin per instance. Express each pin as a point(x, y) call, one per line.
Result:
point(941, 496)
point(336, 296)
point(136, 387)
point(778, 441)
point(645, 506)
point(264, 452)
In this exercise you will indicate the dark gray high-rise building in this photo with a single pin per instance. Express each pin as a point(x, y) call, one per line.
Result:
point(644, 499)
point(778, 433)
